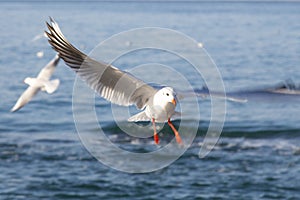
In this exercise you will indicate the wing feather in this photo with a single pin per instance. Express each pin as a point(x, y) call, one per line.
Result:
point(26, 96)
point(48, 70)
point(114, 85)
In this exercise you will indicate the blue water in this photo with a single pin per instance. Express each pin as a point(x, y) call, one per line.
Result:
point(255, 46)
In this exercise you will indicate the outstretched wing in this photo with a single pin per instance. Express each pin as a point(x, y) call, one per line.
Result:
point(114, 85)
point(48, 70)
point(27, 95)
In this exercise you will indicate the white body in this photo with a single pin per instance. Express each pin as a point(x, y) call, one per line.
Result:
point(160, 108)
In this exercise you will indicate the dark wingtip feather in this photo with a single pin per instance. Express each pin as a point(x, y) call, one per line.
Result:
point(51, 19)
point(71, 55)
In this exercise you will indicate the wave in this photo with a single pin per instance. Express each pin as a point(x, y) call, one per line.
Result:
point(288, 87)
point(229, 131)
point(285, 90)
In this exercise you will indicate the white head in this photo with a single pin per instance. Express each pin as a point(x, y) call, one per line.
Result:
point(164, 96)
point(28, 80)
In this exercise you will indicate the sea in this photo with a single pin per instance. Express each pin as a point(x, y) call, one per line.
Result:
point(254, 46)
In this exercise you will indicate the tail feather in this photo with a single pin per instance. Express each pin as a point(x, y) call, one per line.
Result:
point(51, 86)
point(139, 117)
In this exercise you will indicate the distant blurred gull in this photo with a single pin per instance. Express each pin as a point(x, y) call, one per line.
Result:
point(117, 86)
point(200, 45)
point(41, 82)
point(40, 54)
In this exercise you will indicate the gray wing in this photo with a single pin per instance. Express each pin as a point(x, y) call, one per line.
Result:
point(48, 70)
point(114, 85)
point(25, 98)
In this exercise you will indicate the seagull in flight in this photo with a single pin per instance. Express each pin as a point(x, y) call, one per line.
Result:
point(41, 82)
point(116, 86)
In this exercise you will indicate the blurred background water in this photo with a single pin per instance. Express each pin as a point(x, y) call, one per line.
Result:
point(256, 48)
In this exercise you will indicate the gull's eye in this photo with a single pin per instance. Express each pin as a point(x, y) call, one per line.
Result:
point(167, 94)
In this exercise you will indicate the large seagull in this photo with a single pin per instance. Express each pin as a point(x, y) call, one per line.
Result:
point(117, 86)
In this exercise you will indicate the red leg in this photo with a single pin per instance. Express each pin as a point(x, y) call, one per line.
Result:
point(177, 136)
point(156, 139)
